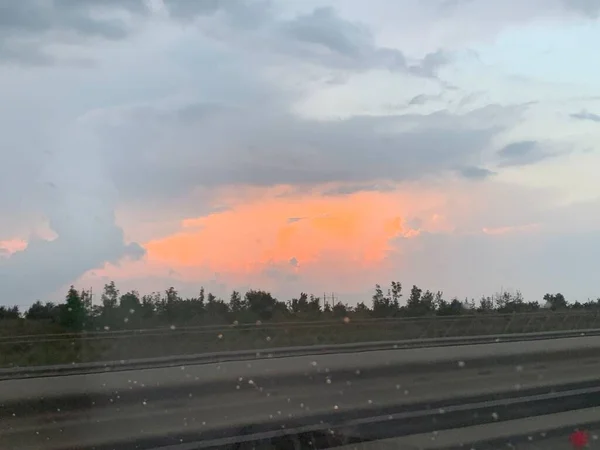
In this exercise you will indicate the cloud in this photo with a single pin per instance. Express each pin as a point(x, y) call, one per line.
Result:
point(271, 147)
point(584, 115)
point(29, 27)
point(79, 204)
point(475, 173)
point(522, 153)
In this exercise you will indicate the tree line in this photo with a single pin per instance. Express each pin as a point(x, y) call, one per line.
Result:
point(132, 310)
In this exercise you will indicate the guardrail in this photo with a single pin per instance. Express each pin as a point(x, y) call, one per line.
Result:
point(279, 352)
point(74, 348)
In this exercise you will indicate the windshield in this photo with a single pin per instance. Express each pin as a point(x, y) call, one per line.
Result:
point(298, 223)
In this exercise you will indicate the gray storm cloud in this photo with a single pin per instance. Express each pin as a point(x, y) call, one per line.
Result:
point(79, 202)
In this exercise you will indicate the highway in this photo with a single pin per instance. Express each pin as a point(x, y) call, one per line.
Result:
point(191, 402)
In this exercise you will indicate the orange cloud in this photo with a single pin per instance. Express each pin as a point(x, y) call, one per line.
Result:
point(269, 237)
point(11, 246)
point(254, 235)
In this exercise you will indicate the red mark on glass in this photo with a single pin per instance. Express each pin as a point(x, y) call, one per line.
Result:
point(579, 439)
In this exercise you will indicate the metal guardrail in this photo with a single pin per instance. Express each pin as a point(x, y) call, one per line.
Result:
point(279, 352)
point(86, 347)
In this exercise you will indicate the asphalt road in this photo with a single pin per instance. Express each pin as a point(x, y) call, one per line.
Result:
point(130, 407)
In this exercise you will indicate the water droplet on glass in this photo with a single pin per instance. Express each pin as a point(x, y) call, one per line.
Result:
point(126, 319)
point(461, 364)
point(172, 327)
point(441, 410)
point(268, 338)
point(519, 368)
point(495, 415)
point(358, 372)
point(517, 386)
point(328, 381)
point(398, 386)
point(346, 319)
point(235, 322)
point(335, 407)
point(106, 328)
point(131, 311)
point(406, 392)
point(258, 322)
point(314, 363)
point(530, 438)
point(238, 386)
point(144, 403)
point(370, 402)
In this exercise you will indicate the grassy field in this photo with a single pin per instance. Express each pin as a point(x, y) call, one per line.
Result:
point(38, 348)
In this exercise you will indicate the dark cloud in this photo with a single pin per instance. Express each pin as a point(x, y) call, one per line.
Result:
point(588, 7)
point(476, 173)
point(324, 37)
point(584, 115)
point(523, 153)
point(271, 147)
point(26, 26)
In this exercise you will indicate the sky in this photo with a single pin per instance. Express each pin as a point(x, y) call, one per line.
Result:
point(299, 146)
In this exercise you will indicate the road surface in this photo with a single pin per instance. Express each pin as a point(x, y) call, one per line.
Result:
point(182, 401)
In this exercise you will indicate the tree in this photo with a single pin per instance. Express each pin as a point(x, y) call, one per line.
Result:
point(261, 303)
point(9, 312)
point(235, 302)
point(555, 301)
point(39, 311)
point(130, 303)
point(73, 314)
point(110, 296)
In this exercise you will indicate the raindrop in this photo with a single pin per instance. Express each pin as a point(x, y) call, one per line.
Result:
point(238, 386)
point(172, 327)
point(398, 386)
point(346, 319)
point(220, 336)
point(595, 437)
point(126, 319)
point(370, 402)
point(131, 311)
point(268, 338)
point(328, 380)
point(517, 386)
point(240, 379)
point(182, 367)
point(543, 434)
point(441, 410)
point(251, 382)
point(519, 368)
point(530, 438)
point(461, 364)
point(258, 322)
point(335, 407)
point(190, 395)
point(406, 392)
point(235, 322)
point(301, 405)
point(144, 403)
point(495, 415)
point(314, 363)
point(358, 372)
point(106, 328)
